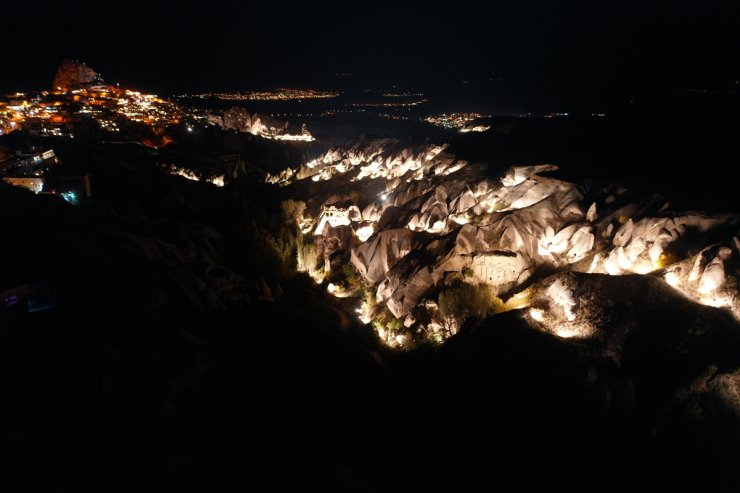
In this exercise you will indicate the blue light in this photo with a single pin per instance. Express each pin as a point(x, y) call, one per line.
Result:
point(69, 197)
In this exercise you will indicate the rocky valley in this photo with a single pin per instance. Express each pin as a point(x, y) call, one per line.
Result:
point(240, 301)
point(418, 225)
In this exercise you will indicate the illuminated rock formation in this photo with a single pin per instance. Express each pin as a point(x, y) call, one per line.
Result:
point(383, 158)
point(172, 169)
point(404, 286)
point(417, 221)
point(263, 126)
point(590, 308)
point(374, 258)
point(499, 267)
point(72, 74)
point(335, 216)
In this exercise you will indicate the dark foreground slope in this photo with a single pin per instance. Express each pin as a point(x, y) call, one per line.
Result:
point(182, 354)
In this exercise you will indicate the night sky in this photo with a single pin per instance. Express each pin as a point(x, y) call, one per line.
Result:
point(557, 47)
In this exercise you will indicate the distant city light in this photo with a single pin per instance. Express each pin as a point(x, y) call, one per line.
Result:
point(281, 94)
point(457, 121)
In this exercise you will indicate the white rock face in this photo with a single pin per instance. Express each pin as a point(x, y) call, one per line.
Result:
point(336, 216)
point(581, 244)
point(376, 257)
point(423, 220)
point(518, 174)
point(381, 159)
point(640, 245)
point(562, 297)
point(364, 232)
point(405, 290)
point(713, 276)
point(497, 268)
point(591, 215)
point(263, 126)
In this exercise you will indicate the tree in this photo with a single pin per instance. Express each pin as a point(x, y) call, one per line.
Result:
point(354, 278)
point(307, 258)
point(292, 210)
point(464, 301)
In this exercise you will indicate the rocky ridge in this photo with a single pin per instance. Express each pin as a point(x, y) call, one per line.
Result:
point(72, 74)
point(265, 126)
point(415, 220)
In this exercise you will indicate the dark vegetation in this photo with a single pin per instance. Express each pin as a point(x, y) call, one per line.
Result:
point(186, 354)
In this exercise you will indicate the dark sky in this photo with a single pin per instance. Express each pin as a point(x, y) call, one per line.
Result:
point(171, 47)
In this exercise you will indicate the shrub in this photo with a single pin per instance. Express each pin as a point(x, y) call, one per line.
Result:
point(292, 210)
point(464, 301)
point(353, 277)
point(307, 257)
